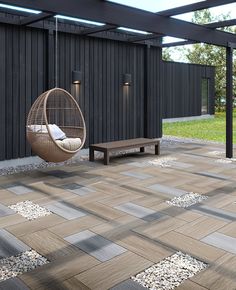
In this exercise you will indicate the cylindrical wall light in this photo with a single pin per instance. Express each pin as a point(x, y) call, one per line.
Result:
point(126, 79)
point(76, 77)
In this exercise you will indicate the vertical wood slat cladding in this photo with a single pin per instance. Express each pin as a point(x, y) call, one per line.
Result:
point(112, 111)
point(22, 72)
point(181, 89)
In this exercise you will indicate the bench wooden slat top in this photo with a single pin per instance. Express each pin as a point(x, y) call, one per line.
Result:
point(125, 143)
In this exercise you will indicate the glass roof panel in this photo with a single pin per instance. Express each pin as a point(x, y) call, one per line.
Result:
point(133, 30)
point(155, 5)
point(79, 20)
point(170, 39)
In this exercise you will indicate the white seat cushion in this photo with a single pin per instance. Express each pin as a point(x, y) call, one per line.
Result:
point(71, 144)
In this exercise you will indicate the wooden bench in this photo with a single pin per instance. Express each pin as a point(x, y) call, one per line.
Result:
point(114, 146)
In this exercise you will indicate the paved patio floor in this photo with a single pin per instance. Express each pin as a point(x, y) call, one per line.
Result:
point(109, 223)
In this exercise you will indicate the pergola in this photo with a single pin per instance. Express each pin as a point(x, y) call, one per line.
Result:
point(157, 24)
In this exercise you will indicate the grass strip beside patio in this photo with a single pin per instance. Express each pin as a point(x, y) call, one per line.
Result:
point(207, 129)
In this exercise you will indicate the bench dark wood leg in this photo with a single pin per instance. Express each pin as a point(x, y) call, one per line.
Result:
point(157, 149)
point(106, 157)
point(142, 149)
point(91, 154)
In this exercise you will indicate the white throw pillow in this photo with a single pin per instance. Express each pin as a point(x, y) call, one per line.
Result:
point(56, 132)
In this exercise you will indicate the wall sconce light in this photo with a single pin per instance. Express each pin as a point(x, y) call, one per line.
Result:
point(126, 79)
point(76, 77)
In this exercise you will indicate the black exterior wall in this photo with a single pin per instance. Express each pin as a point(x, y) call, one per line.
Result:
point(112, 111)
point(181, 89)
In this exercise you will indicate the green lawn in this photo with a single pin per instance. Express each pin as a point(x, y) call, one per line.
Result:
point(209, 129)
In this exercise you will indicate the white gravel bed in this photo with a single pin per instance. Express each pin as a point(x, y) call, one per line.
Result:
point(15, 265)
point(187, 199)
point(188, 140)
point(216, 153)
point(162, 162)
point(29, 210)
point(223, 161)
point(170, 272)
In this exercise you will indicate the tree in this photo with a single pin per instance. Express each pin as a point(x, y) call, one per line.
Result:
point(207, 54)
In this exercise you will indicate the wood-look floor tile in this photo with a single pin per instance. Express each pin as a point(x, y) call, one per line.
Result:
point(191, 246)
point(220, 275)
point(112, 272)
point(201, 227)
point(28, 227)
point(49, 245)
point(58, 271)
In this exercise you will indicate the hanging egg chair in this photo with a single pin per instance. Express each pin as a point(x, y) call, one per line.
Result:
point(55, 126)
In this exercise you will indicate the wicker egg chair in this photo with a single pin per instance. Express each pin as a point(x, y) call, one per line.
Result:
point(55, 108)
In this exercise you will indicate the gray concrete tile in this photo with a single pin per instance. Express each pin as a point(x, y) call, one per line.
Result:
point(139, 211)
point(19, 189)
point(221, 241)
point(137, 175)
point(71, 186)
point(214, 212)
point(10, 245)
point(4, 210)
point(213, 175)
point(83, 191)
point(95, 245)
point(181, 165)
point(13, 284)
point(128, 285)
point(167, 190)
point(64, 210)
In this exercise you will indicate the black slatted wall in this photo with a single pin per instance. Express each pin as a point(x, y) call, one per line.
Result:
point(111, 110)
point(22, 78)
point(181, 89)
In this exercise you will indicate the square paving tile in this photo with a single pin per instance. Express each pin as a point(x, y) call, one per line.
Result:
point(10, 245)
point(20, 189)
point(65, 210)
point(95, 245)
point(139, 211)
point(167, 189)
point(137, 175)
point(4, 210)
point(221, 241)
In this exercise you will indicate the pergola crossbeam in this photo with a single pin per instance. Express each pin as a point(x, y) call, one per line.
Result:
point(107, 12)
point(35, 18)
point(194, 7)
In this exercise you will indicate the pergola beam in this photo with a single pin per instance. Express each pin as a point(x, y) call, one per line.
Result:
point(144, 37)
point(213, 25)
point(194, 7)
point(35, 18)
point(107, 12)
point(96, 29)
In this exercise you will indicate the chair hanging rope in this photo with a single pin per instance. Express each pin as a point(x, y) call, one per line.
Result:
point(55, 125)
